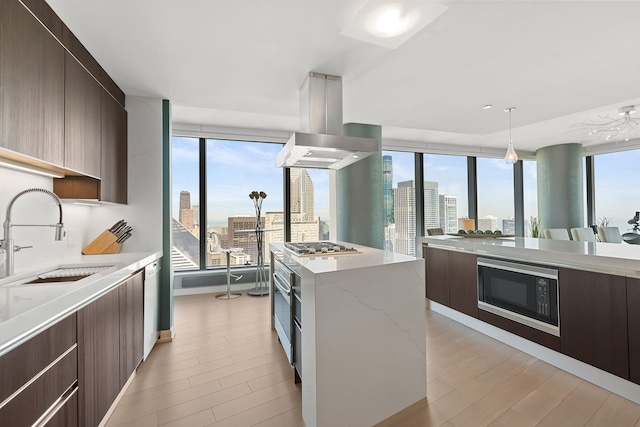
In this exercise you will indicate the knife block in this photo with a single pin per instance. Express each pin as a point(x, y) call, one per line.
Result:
point(105, 243)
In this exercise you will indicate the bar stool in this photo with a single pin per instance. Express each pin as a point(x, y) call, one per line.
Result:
point(228, 294)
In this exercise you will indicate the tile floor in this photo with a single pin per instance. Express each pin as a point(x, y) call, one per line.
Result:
point(225, 367)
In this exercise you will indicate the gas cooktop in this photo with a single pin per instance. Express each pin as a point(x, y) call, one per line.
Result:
point(319, 248)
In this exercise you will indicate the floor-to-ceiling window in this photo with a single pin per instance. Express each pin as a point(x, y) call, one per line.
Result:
point(617, 193)
point(226, 218)
point(185, 189)
point(398, 183)
point(495, 196)
point(234, 170)
point(445, 192)
point(530, 193)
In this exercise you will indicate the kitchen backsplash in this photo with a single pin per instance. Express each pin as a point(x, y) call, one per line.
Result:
point(34, 208)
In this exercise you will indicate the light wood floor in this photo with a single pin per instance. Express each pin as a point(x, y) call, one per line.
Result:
point(226, 368)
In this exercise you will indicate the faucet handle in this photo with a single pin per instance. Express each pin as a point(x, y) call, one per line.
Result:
point(17, 248)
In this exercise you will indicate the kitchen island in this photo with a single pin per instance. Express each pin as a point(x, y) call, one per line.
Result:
point(363, 339)
point(584, 320)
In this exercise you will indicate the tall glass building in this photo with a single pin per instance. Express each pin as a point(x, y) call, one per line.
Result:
point(387, 187)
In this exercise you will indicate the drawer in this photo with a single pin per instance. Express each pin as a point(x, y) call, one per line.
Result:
point(27, 406)
point(67, 414)
point(24, 362)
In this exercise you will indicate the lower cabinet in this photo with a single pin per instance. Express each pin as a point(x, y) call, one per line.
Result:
point(131, 301)
point(451, 279)
point(593, 319)
point(67, 415)
point(437, 274)
point(463, 282)
point(37, 374)
point(633, 318)
point(99, 357)
point(110, 342)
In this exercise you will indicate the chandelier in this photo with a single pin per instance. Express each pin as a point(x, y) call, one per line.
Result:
point(607, 128)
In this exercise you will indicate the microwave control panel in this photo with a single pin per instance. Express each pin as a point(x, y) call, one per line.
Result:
point(542, 297)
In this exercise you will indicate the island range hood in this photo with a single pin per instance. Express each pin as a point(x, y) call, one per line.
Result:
point(323, 146)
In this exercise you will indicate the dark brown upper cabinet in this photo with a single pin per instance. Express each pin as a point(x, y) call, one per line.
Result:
point(83, 119)
point(31, 86)
point(113, 165)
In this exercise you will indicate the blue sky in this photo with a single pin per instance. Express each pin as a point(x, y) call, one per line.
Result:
point(236, 168)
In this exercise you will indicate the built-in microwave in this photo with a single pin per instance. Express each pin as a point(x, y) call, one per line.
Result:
point(525, 293)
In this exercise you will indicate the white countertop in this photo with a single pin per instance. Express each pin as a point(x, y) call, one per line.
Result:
point(26, 310)
point(318, 264)
point(611, 258)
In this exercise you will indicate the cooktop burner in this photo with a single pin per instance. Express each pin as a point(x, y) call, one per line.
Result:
point(319, 248)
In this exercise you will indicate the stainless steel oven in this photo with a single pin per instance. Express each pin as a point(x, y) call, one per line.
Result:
point(525, 293)
point(283, 282)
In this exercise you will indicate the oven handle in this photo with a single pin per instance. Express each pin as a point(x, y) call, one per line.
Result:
point(281, 286)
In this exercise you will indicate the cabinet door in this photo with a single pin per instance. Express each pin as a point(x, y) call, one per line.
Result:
point(437, 275)
point(113, 168)
point(98, 358)
point(593, 319)
point(131, 295)
point(633, 312)
point(82, 118)
point(31, 86)
point(463, 283)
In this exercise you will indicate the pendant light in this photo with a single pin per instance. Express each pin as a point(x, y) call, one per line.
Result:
point(511, 157)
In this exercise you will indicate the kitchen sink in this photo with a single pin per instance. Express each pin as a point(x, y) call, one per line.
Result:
point(66, 274)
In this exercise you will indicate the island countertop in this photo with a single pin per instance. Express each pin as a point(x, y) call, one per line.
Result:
point(26, 310)
point(327, 263)
point(611, 258)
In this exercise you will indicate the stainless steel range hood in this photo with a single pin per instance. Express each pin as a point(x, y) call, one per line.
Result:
point(323, 146)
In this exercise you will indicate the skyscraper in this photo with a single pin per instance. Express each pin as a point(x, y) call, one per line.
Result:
point(448, 213)
point(387, 188)
point(431, 205)
point(405, 218)
point(301, 193)
point(185, 203)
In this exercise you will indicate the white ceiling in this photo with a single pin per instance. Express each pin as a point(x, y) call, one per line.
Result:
point(241, 63)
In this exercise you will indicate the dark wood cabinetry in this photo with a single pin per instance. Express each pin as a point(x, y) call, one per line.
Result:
point(36, 374)
point(67, 415)
point(463, 283)
point(99, 357)
point(633, 318)
point(113, 164)
point(110, 345)
point(83, 119)
point(451, 279)
point(31, 86)
point(437, 274)
point(131, 296)
point(593, 319)
point(59, 110)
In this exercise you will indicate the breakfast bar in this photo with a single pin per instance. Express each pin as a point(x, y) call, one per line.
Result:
point(573, 304)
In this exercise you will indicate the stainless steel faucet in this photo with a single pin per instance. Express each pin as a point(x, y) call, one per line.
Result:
point(7, 242)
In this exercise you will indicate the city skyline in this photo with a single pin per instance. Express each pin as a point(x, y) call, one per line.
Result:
point(234, 168)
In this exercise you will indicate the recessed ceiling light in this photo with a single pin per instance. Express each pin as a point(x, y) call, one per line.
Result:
point(390, 25)
point(487, 107)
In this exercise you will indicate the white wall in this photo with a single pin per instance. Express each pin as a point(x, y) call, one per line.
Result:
point(83, 223)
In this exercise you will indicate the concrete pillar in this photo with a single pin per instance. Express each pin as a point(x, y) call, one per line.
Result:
point(560, 186)
point(359, 195)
